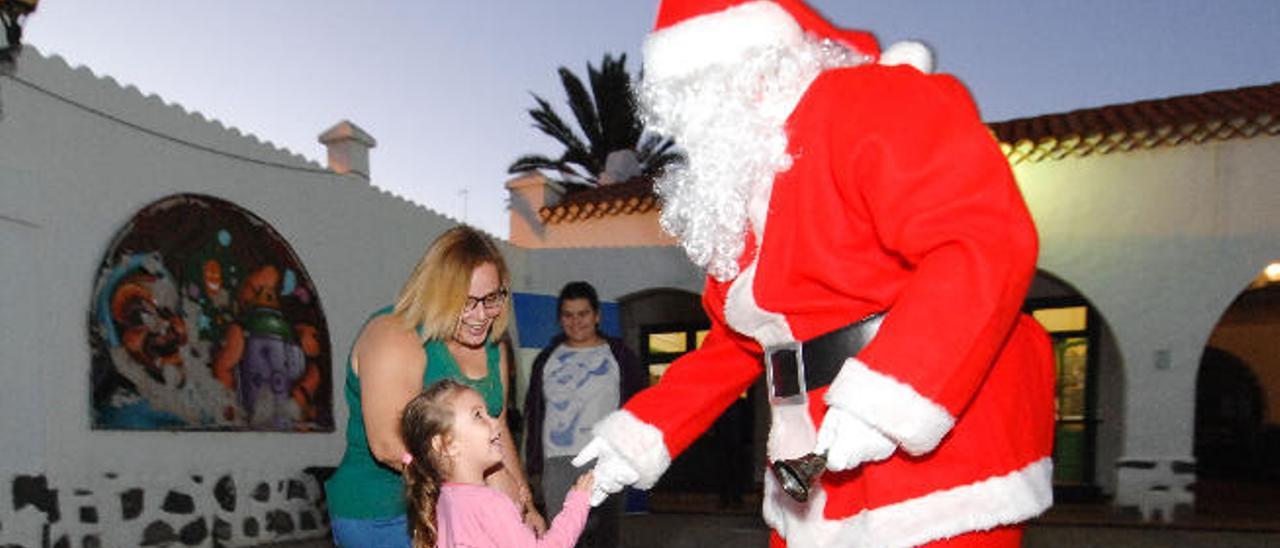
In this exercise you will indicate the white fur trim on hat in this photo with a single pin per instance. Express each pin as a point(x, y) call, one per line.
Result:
point(993, 502)
point(716, 38)
point(909, 53)
point(638, 442)
point(894, 408)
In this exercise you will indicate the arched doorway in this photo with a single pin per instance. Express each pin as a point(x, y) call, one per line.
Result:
point(662, 324)
point(1090, 389)
point(1237, 430)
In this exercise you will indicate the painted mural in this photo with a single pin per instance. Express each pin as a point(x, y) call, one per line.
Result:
point(204, 319)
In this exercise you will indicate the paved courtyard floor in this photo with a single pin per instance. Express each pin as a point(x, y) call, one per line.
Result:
point(739, 530)
point(1227, 516)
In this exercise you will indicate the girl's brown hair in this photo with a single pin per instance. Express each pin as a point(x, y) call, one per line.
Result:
point(427, 418)
point(436, 292)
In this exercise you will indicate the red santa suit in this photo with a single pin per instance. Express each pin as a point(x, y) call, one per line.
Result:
point(898, 201)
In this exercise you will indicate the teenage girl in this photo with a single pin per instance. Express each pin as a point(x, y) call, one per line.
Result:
point(452, 442)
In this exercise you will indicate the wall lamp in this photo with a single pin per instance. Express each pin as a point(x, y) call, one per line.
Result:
point(13, 13)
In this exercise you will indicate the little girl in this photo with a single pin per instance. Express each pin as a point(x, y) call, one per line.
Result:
point(452, 442)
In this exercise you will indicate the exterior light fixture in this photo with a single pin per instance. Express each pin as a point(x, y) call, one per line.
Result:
point(1272, 272)
point(13, 13)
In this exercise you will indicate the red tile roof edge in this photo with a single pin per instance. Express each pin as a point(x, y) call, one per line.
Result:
point(1185, 119)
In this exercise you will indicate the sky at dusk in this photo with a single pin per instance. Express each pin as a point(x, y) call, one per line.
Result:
point(443, 86)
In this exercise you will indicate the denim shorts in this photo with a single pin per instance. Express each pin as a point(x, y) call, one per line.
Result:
point(392, 532)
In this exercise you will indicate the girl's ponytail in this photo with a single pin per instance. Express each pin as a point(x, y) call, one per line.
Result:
point(427, 417)
point(422, 490)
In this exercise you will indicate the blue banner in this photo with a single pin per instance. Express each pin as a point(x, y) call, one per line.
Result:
point(538, 320)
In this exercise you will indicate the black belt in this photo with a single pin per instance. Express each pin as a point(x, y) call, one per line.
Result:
point(792, 369)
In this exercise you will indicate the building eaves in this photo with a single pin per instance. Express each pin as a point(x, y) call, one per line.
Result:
point(1187, 119)
point(633, 196)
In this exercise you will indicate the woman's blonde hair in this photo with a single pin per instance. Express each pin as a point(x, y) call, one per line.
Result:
point(437, 291)
point(426, 417)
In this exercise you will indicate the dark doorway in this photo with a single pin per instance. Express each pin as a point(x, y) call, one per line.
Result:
point(717, 470)
point(1229, 418)
point(720, 461)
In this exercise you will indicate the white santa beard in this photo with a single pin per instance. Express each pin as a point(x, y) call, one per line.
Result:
point(730, 120)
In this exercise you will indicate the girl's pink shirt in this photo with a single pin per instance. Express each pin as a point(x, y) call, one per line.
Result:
point(475, 516)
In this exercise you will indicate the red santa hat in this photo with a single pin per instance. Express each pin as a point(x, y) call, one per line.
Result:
point(690, 35)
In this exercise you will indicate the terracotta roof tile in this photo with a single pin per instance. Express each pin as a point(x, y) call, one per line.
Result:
point(1228, 114)
point(1186, 119)
point(634, 196)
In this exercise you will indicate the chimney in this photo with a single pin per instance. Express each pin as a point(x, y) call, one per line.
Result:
point(529, 193)
point(348, 149)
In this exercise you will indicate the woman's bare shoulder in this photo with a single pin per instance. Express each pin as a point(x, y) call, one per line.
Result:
point(386, 339)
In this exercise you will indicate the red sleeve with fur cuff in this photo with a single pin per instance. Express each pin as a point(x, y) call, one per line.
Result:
point(695, 389)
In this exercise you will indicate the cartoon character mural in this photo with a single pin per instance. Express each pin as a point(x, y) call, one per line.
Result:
point(237, 341)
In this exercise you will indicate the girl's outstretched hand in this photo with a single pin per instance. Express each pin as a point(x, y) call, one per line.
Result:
point(585, 482)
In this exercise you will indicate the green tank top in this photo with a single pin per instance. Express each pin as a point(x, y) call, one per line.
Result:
point(443, 366)
point(363, 488)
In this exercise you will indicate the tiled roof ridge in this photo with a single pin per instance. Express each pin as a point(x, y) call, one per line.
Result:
point(1184, 119)
point(1151, 123)
point(633, 196)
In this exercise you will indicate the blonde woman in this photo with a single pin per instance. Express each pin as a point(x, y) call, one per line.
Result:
point(445, 324)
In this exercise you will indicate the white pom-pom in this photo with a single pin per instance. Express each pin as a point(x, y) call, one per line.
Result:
point(908, 53)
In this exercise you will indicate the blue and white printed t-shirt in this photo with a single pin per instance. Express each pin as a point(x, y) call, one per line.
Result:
point(580, 386)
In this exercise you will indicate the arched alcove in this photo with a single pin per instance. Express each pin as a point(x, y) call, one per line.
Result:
point(650, 309)
point(1237, 430)
point(1090, 402)
point(204, 318)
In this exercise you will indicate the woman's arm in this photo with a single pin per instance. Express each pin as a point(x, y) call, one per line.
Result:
point(390, 362)
point(511, 479)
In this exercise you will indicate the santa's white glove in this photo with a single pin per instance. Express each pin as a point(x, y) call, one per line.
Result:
point(849, 441)
point(612, 471)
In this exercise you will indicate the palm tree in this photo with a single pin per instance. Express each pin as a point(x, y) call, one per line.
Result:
point(609, 123)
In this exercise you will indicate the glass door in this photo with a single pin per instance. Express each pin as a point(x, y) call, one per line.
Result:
point(1071, 326)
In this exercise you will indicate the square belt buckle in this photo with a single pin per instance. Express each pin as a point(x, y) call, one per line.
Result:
point(784, 372)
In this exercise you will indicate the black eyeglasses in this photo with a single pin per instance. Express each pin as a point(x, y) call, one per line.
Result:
point(492, 301)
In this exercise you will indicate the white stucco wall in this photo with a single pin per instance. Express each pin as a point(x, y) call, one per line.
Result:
point(615, 272)
point(70, 178)
point(1160, 241)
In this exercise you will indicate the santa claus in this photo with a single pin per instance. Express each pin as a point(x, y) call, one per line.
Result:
point(868, 250)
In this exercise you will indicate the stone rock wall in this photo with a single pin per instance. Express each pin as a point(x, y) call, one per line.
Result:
point(235, 508)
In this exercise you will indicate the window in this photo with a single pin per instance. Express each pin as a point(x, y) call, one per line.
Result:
point(662, 344)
